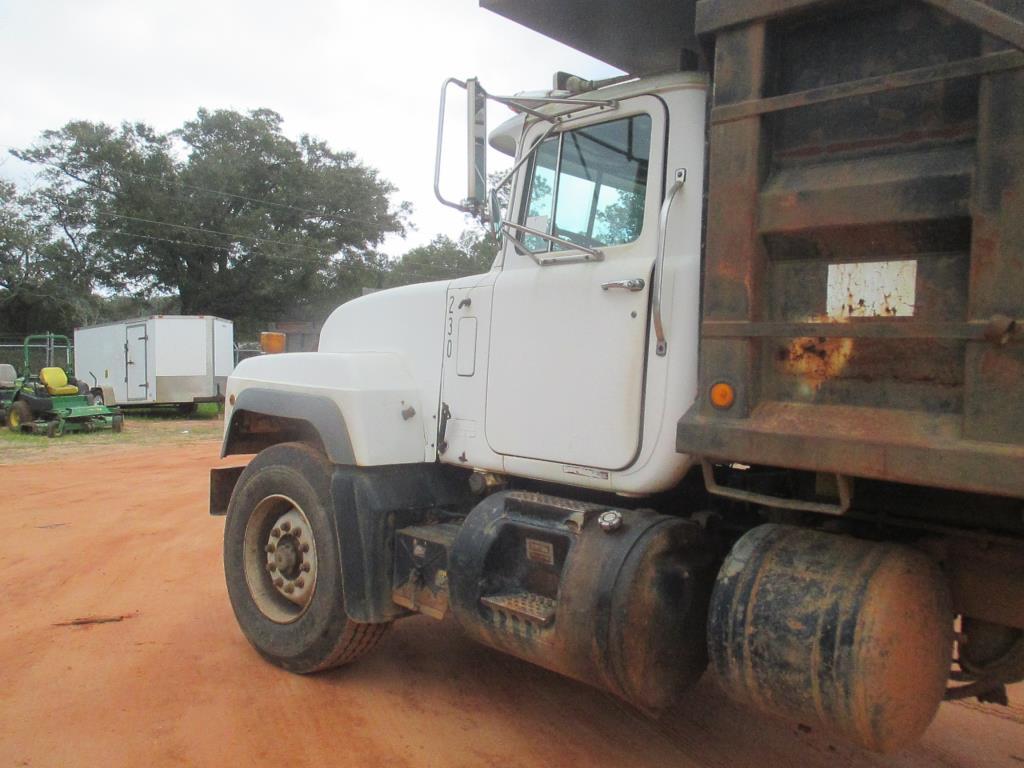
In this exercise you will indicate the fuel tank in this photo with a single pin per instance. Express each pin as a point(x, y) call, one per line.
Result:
point(615, 598)
point(853, 636)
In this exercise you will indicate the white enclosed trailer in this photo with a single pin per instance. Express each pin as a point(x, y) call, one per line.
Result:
point(157, 360)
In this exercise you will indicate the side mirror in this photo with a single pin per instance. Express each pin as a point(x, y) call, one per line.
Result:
point(476, 146)
point(476, 135)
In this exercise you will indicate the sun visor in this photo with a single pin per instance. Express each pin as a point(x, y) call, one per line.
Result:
point(639, 37)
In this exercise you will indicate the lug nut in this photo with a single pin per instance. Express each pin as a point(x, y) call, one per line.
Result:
point(300, 583)
point(271, 567)
point(305, 567)
point(276, 532)
point(270, 548)
point(610, 521)
point(297, 532)
point(286, 526)
point(278, 582)
point(305, 547)
point(289, 588)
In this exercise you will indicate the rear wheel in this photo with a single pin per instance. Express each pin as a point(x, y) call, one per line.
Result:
point(282, 566)
point(19, 416)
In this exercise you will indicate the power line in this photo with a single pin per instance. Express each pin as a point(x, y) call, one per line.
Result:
point(261, 201)
point(204, 230)
point(285, 257)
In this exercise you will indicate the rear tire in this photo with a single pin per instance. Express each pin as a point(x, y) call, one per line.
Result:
point(285, 489)
point(18, 416)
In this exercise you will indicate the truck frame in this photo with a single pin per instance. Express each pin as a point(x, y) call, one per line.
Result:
point(742, 389)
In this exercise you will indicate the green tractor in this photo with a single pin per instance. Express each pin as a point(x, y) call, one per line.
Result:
point(53, 402)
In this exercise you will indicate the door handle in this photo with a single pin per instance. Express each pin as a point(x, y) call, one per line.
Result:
point(633, 284)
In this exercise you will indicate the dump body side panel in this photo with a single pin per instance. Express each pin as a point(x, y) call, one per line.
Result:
point(864, 273)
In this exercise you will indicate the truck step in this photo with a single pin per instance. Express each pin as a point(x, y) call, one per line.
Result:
point(528, 606)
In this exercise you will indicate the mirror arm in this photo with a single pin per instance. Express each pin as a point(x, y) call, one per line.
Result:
point(526, 156)
point(593, 253)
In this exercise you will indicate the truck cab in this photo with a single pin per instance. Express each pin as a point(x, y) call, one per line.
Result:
point(550, 365)
point(740, 390)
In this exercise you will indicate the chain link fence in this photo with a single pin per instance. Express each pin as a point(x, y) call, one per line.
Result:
point(42, 353)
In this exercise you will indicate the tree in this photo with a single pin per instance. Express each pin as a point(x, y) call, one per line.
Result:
point(444, 259)
point(226, 212)
point(44, 282)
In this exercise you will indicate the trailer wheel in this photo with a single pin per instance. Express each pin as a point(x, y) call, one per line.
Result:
point(281, 562)
point(18, 416)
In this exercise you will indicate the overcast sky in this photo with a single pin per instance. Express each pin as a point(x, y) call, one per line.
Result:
point(364, 76)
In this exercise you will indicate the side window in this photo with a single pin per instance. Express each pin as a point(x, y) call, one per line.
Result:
point(589, 185)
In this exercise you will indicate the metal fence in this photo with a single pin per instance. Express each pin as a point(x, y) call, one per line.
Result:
point(43, 354)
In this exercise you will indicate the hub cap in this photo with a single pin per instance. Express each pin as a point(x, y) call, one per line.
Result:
point(280, 559)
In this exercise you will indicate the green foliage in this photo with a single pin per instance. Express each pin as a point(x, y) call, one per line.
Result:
point(44, 281)
point(444, 259)
point(223, 216)
point(227, 213)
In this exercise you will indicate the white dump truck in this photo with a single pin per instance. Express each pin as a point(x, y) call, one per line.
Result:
point(742, 389)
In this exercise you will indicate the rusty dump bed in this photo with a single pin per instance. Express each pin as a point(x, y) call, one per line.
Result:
point(864, 272)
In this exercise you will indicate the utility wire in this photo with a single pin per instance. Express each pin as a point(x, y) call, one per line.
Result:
point(262, 201)
point(277, 256)
point(205, 230)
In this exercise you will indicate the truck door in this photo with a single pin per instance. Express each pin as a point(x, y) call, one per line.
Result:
point(136, 373)
point(569, 330)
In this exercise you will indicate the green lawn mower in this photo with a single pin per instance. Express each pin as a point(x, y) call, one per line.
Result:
point(53, 402)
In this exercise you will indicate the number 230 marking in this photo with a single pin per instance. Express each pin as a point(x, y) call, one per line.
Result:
point(450, 327)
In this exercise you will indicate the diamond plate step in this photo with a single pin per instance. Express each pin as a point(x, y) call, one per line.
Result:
point(528, 606)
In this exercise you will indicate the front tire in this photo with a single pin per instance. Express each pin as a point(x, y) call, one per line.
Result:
point(282, 564)
point(19, 416)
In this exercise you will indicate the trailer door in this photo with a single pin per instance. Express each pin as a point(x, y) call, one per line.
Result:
point(136, 371)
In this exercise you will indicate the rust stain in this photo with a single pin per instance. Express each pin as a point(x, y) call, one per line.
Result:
point(816, 359)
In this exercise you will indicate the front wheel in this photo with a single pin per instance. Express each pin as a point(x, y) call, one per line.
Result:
point(282, 565)
point(19, 416)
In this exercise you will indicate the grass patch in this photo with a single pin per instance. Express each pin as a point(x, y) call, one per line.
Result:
point(151, 427)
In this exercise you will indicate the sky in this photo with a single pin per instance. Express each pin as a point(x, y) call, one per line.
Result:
point(364, 76)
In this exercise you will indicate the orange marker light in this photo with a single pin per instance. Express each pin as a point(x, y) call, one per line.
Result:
point(722, 395)
point(272, 342)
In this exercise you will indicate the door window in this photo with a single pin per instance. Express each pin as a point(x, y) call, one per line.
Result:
point(588, 185)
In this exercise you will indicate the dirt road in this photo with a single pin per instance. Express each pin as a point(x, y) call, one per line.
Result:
point(123, 534)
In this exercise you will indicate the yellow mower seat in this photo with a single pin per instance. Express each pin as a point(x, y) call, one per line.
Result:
point(56, 382)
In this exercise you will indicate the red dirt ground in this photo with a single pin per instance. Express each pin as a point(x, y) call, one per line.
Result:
point(124, 532)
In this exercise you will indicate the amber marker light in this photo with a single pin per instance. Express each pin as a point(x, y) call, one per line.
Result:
point(722, 395)
point(272, 343)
